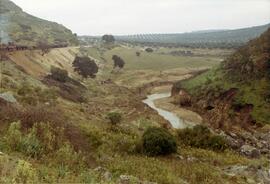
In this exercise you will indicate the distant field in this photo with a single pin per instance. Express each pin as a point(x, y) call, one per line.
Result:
point(155, 61)
point(213, 39)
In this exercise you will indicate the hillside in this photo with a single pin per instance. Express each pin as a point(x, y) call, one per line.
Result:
point(24, 29)
point(212, 38)
point(58, 132)
point(237, 92)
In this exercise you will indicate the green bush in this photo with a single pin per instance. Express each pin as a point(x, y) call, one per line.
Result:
point(30, 145)
point(201, 137)
point(66, 158)
point(25, 173)
point(41, 139)
point(217, 143)
point(149, 50)
point(32, 95)
point(59, 74)
point(114, 117)
point(158, 141)
point(13, 136)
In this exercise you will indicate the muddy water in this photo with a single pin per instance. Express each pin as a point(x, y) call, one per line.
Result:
point(176, 122)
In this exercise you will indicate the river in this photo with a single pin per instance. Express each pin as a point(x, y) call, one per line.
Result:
point(176, 121)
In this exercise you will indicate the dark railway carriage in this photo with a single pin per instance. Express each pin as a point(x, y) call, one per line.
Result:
point(13, 47)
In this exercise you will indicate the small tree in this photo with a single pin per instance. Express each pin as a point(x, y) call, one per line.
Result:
point(118, 62)
point(158, 141)
point(108, 38)
point(149, 50)
point(114, 117)
point(44, 47)
point(59, 74)
point(85, 66)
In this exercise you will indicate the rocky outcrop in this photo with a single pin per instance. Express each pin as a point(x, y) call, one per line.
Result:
point(6, 98)
point(253, 175)
point(225, 117)
point(182, 98)
point(106, 176)
point(250, 151)
point(249, 144)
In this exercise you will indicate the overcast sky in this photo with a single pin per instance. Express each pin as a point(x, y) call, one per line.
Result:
point(97, 17)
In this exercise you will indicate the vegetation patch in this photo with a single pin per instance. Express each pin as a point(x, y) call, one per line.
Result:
point(201, 137)
point(114, 117)
point(158, 141)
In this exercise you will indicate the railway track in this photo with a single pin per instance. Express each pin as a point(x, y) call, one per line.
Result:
point(10, 47)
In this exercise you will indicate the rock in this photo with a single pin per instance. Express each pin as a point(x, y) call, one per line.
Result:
point(252, 174)
point(180, 157)
point(107, 176)
point(235, 170)
point(233, 135)
point(125, 179)
point(7, 97)
point(265, 151)
point(100, 169)
point(192, 159)
point(250, 151)
point(233, 143)
point(255, 153)
point(263, 176)
point(1, 153)
point(147, 182)
point(266, 137)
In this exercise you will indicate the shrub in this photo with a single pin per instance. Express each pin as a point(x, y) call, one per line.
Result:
point(44, 47)
point(201, 137)
point(25, 173)
point(33, 95)
point(67, 157)
point(149, 50)
point(158, 141)
point(30, 145)
point(59, 74)
point(118, 62)
point(114, 117)
point(138, 54)
point(13, 136)
point(217, 143)
point(50, 137)
point(41, 139)
point(41, 113)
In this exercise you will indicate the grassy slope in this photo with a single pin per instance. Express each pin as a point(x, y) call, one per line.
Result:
point(252, 90)
point(157, 66)
point(26, 29)
point(156, 61)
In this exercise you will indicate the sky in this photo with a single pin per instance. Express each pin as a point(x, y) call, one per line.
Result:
point(122, 17)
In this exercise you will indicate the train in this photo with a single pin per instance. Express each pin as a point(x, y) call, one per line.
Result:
point(10, 47)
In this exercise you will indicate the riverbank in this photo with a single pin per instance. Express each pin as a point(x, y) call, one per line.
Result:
point(160, 100)
point(187, 115)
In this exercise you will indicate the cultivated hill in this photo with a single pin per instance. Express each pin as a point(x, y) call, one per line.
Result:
point(211, 38)
point(24, 29)
point(237, 92)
